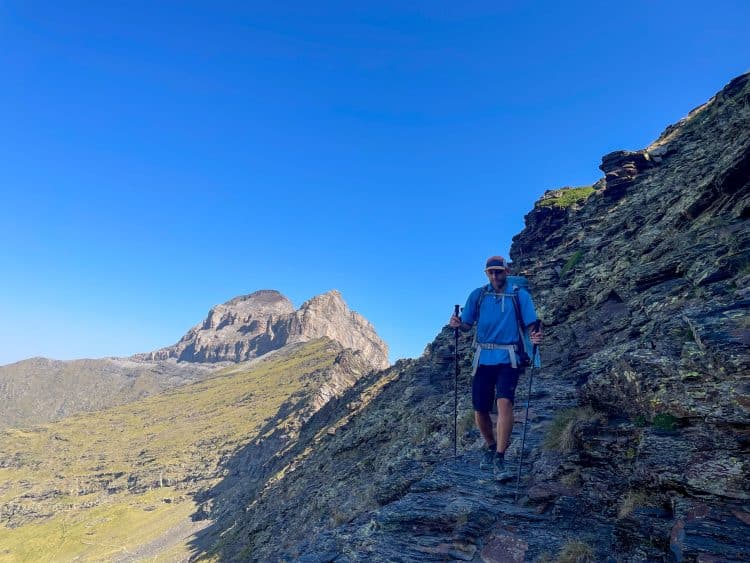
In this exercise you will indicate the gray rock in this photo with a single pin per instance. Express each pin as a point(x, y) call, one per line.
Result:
point(252, 325)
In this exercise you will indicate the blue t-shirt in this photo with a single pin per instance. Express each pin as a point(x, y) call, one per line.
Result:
point(497, 320)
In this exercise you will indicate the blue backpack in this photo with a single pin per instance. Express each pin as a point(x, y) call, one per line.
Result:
point(525, 347)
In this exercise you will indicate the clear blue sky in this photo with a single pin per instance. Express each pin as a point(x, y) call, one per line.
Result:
point(158, 158)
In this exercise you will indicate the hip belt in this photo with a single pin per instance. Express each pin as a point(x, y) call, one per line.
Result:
point(510, 348)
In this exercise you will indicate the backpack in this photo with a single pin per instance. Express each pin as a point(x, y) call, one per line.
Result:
point(523, 346)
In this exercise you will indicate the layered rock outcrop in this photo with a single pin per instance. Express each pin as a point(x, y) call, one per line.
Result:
point(252, 325)
point(638, 444)
point(238, 330)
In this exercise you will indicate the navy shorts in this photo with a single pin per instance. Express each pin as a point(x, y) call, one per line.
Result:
point(491, 382)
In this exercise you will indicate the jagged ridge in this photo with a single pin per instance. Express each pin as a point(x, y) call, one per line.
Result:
point(252, 325)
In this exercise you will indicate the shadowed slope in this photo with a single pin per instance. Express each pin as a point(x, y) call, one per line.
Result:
point(78, 486)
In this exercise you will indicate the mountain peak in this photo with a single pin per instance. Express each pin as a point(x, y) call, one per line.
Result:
point(328, 315)
point(332, 297)
point(251, 325)
point(261, 297)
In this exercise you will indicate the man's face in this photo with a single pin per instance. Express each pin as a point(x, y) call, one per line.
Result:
point(497, 278)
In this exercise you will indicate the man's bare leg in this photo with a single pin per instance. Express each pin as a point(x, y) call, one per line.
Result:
point(484, 423)
point(504, 424)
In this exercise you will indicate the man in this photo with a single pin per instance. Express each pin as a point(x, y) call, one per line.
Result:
point(497, 358)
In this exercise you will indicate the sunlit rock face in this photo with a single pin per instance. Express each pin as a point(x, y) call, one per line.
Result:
point(251, 325)
point(328, 315)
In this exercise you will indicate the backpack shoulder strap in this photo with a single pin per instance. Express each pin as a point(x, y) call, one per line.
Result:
point(517, 307)
point(522, 345)
point(482, 294)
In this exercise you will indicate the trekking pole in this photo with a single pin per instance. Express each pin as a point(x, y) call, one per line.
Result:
point(526, 421)
point(455, 389)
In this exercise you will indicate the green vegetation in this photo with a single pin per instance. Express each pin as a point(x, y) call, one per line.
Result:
point(742, 268)
point(571, 263)
point(576, 551)
point(561, 433)
point(113, 528)
point(632, 500)
point(465, 424)
point(94, 484)
point(662, 421)
point(665, 421)
point(566, 197)
point(683, 334)
point(572, 479)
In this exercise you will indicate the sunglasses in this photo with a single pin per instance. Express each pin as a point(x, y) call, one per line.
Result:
point(495, 272)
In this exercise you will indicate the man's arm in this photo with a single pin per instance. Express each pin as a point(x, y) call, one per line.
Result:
point(531, 321)
point(466, 320)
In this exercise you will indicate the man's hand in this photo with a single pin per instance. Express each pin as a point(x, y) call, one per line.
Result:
point(456, 322)
point(536, 335)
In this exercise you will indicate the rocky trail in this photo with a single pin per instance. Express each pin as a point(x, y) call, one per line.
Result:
point(459, 512)
point(594, 485)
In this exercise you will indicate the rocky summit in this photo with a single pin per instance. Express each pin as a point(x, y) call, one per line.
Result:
point(252, 325)
point(638, 436)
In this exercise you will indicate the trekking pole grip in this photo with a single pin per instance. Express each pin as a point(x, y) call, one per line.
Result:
point(537, 327)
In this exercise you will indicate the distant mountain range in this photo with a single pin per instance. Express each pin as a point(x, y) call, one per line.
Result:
point(39, 390)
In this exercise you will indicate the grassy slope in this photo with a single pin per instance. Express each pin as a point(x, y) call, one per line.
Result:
point(39, 390)
point(89, 485)
point(565, 197)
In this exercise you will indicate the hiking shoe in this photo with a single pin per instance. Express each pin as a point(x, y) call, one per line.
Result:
point(499, 470)
point(488, 456)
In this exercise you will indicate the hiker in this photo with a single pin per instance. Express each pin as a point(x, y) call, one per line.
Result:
point(499, 358)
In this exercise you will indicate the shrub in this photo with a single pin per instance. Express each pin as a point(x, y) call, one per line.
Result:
point(665, 421)
point(560, 435)
point(632, 500)
point(571, 263)
point(566, 197)
point(465, 424)
point(576, 551)
point(572, 479)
